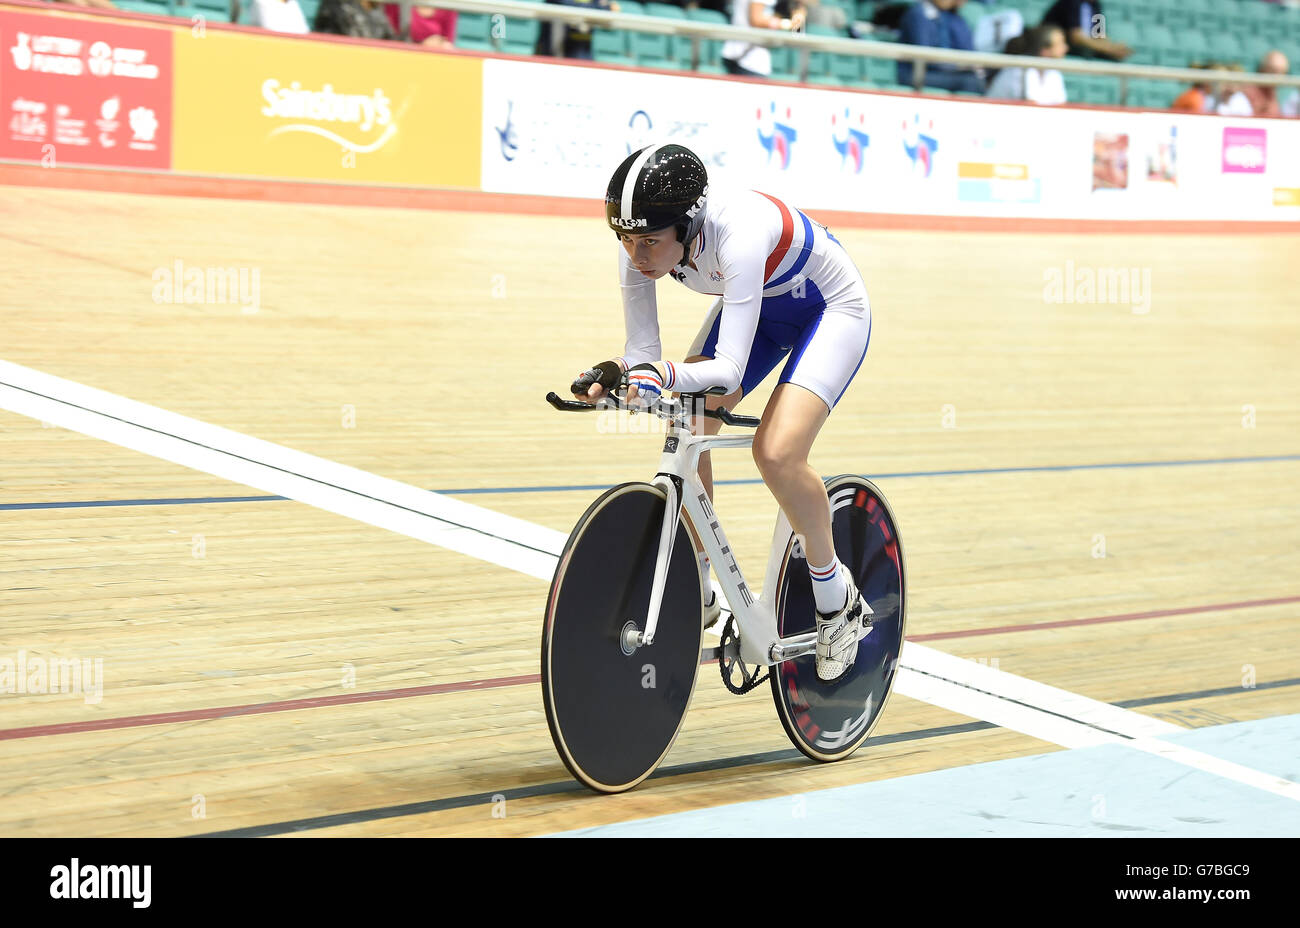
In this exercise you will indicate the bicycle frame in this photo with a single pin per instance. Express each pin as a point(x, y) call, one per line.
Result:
point(679, 478)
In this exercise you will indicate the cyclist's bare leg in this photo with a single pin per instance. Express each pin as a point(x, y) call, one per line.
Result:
point(791, 421)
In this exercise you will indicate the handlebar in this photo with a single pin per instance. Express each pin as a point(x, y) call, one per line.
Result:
point(665, 409)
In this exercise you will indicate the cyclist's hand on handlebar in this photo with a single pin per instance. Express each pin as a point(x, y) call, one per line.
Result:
point(592, 384)
point(646, 383)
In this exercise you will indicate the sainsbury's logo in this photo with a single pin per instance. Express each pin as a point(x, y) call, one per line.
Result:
point(364, 111)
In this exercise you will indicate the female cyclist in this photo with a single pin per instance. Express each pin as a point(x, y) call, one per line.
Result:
point(785, 286)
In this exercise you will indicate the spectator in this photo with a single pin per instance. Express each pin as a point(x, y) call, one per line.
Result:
point(937, 24)
point(361, 19)
point(575, 43)
point(1196, 99)
point(1085, 29)
point(1037, 85)
point(280, 16)
point(1263, 99)
point(429, 26)
point(1228, 98)
point(91, 4)
point(745, 58)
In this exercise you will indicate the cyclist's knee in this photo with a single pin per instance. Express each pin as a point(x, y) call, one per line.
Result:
point(775, 457)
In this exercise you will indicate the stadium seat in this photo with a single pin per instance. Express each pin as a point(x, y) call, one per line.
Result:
point(701, 15)
point(144, 6)
point(632, 8)
point(607, 45)
point(1191, 48)
point(881, 71)
point(847, 70)
point(710, 61)
point(710, 57)
point(651, 50)
point(1101, 90)
point(520, 36)
point(217, 9)
point(665, 10)
point(785, 64)
point(474, 32)
point(1225, 46)
point(819, 68)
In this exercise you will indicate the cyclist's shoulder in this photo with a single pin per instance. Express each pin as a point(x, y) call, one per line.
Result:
point(742, 213)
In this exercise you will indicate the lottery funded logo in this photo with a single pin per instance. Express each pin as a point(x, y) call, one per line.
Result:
point(97, 92)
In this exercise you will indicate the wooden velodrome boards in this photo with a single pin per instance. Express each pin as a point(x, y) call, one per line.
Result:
point(316, 666)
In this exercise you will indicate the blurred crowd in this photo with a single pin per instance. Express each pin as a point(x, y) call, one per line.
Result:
point(1068, 27)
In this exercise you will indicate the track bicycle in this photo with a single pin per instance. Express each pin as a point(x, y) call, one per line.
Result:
point(622, 640)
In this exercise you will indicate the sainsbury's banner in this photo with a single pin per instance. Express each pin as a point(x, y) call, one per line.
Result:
point(84, 91)
point(274, 107)
point(561, 130)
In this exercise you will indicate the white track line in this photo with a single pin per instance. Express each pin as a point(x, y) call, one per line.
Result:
point(388, 504)
point(953, 683)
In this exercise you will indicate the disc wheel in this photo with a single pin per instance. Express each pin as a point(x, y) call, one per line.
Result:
point(615, 710)
point(829, 720)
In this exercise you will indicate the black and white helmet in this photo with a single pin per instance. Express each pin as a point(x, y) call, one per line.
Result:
point(658, 187)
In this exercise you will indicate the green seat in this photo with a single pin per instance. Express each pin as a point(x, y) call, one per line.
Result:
point(785, 64)
point(701, 15)
point(474, 32)
point(819, 68)
point(665, 10)
point(144, 6)
point(710, 57)
point(1225, 46)
point(847, 69)
point(650, 49)
point(632, 8)
point(680, 51)
point(880, 71)
point(607, 45)
point(519, 37)
point(1103, 91)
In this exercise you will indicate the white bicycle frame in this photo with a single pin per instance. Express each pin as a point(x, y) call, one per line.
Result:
point(760, 645)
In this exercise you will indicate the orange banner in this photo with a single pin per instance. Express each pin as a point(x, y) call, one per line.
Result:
point(276, 107)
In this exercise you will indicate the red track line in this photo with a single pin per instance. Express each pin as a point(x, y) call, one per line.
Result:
point(289, 705)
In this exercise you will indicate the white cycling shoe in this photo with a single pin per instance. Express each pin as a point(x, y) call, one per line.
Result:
point(838, 633)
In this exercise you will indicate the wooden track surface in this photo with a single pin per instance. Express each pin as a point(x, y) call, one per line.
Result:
point(441, 332)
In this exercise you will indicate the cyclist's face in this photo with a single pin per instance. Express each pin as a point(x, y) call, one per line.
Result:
point(654, 254)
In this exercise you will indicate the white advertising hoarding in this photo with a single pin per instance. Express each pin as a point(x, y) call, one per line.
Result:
point(560, 130)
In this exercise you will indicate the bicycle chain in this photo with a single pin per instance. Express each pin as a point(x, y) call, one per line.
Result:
point(749, 680)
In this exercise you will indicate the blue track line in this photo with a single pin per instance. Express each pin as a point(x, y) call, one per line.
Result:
point(469, 491)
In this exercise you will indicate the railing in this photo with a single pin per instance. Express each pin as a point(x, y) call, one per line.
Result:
point(919, 55)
